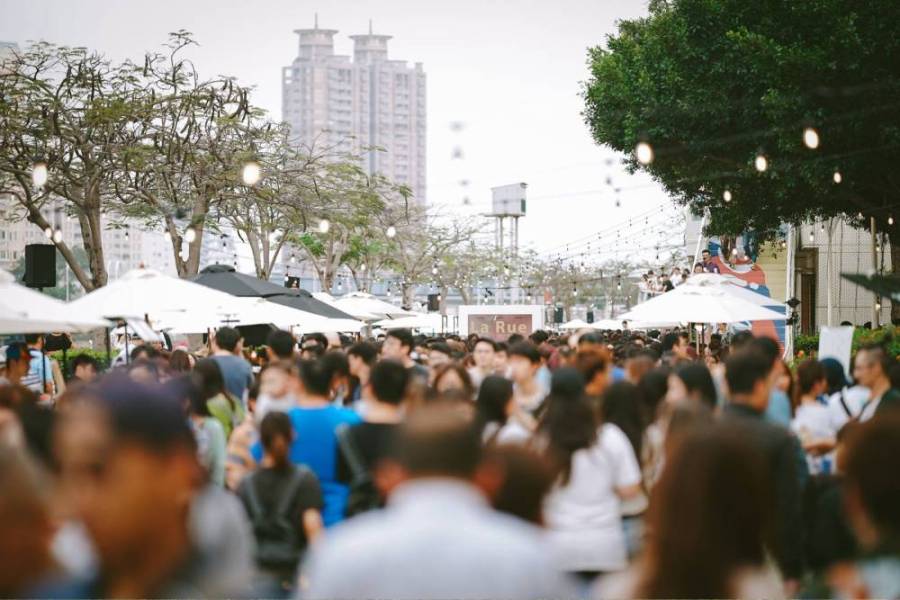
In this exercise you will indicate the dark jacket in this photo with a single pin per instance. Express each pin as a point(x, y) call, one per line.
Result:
point(779, 449)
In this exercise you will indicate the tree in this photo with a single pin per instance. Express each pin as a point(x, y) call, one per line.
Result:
point(72, 111)
point(191, 138)
point(713, 85)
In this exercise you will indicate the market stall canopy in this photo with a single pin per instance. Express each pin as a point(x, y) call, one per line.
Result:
point(619, 325)
point(330, 300)
point(226, 279)
point(245, 312)
point(699, 304)
point(576, 324)
point(429, 321)
point(360, 304)
point(733, 286)
point(23, 310)
point(147, 293)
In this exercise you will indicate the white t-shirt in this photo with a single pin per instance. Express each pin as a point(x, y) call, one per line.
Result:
point(583, 517)
point(854, 397)
point(814, 422)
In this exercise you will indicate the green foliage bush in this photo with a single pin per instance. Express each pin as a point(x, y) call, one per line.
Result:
point(98, 355)
point(809, 344)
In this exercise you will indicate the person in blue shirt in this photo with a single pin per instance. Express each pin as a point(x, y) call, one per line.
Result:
point(315, 420)
point(228, 345)
point(41, 369)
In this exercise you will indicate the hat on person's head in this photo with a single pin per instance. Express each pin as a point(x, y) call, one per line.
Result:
point(15, 351)
point(834, 374)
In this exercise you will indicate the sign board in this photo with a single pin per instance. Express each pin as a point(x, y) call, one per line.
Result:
point(836, 342)
point(498, 322)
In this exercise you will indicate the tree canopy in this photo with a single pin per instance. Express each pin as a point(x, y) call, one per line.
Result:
point(711, 85)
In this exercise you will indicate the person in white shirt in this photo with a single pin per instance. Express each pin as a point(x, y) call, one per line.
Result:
point(597, 471)
point(438, 536)
point(845, 400)
point(497, 416)
point(812, 420)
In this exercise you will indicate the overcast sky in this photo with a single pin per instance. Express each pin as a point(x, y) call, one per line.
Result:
point(509, 71)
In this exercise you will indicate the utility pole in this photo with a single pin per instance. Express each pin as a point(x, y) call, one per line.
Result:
point(876, 316)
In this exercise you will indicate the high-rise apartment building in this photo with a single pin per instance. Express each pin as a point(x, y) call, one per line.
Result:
point(368, 104)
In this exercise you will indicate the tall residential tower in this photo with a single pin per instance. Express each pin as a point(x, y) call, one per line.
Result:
point(368, 102)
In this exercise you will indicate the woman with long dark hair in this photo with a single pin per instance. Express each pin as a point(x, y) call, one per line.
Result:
point(596, 469)
point(221, 404)
point(692, 383)
point(496, 412)
point(710, 525)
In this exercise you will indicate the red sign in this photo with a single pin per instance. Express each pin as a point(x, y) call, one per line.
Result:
point(500, 327)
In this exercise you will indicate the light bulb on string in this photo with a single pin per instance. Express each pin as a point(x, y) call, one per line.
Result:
point(251, 173)
point(391, 231)
point(58, 235)
point(891, 220)
point(48, 233)
point(39, 174)
point(812, 235)
point(837, 177)
point(190, 235)
point(726, 195)
point(811, 138)
point(644, 153)
point(761, 162)
point(324, 226)
point(362, 268)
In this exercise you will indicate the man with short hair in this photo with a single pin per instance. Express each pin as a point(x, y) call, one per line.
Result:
point(237, 372)
point(438, 537)
point(675, 347)
point(363, 446)
point(315, 420)
point(747, 374)
point(282, 344)
point(398, 345)
point(483, 354)
point(871, 370)
point(129, 469)
point(779, 408)
point(84, 369)
point(501, 359)
point(524, 363)
point(708, 265)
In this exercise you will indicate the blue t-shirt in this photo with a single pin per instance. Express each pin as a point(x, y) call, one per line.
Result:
point(779, 409)
point(315, 445)
point(618, 374)
point(237, 372)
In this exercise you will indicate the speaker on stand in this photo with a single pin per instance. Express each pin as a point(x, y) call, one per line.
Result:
point(40, 266)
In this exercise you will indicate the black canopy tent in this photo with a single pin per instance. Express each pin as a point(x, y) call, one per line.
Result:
point(226, 279)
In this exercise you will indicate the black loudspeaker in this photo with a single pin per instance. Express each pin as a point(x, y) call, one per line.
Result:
point(40, 265)
point(558, 315)
point(590, 316)
point(434, 304)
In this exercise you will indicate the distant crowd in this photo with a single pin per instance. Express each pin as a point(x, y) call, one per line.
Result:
point(596, 465)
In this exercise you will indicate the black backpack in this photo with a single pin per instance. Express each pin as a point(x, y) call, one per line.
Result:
point(363, 494)
point(278, 543)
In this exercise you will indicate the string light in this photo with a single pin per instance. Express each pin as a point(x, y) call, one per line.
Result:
point(891, 220)
point(39, 174)
point(324, 226)
point(251, 173)
point(391, 231)
point(362, 267)
point(190, 235)
point(811, 138)
point(837, 177)
point(48, 233)
point(812, 235)
point(761, 162)
point(644, 153)
point(57, 235)
point(726, 195)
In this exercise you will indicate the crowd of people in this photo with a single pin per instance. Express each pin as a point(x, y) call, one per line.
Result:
point(652, 283)
point(596, 464)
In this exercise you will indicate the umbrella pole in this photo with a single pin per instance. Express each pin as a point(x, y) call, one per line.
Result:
point(108, 348)
point(127, 351)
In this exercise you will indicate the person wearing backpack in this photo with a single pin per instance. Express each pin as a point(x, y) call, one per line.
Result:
point(362, 446)
point(284, 504)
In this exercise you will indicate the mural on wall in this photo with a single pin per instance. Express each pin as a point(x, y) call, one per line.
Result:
point(759, 269)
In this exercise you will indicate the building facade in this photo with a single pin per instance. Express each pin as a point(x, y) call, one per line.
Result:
point(366, 104)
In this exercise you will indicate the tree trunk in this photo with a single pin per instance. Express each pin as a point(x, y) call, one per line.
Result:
point(894, 241)
point(443, 291)
point(406, 290)
point(92, 238)
point(464, 294)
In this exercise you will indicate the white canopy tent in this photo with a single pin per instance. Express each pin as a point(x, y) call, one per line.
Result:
point(147, 293)
point(699, 304)
point(733, 286)
point(23, 310)
point(576, 324)
point(365, 306)
point(253, 311)
point(429, 321)
point(330, 300)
